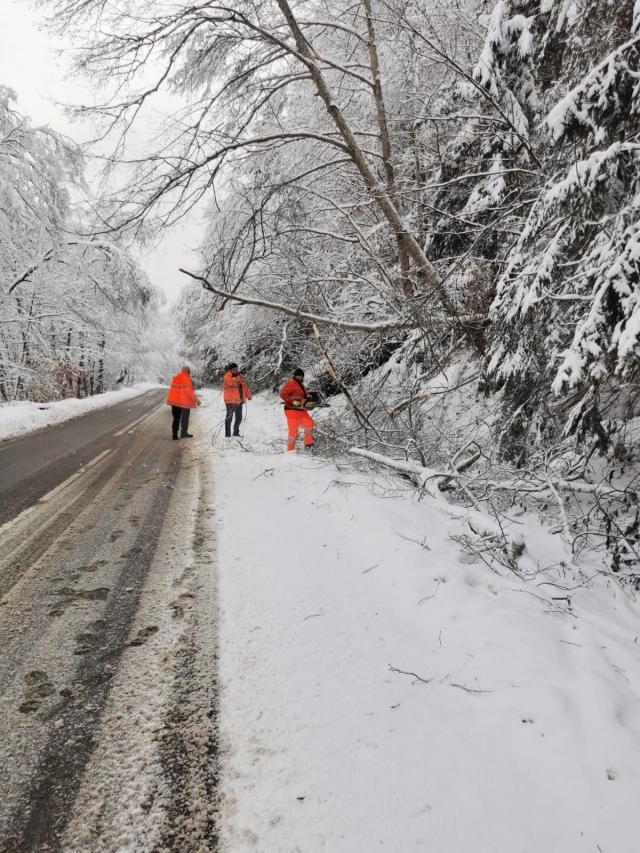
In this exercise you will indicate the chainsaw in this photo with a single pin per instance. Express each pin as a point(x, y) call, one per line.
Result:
point(312, 400)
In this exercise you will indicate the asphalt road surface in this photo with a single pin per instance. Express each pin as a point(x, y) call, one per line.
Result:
point(35, 463)
point(107, 613)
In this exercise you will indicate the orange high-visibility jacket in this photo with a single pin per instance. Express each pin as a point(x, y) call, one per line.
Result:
point(293, 390)
point(235, 388)
point(181, 392)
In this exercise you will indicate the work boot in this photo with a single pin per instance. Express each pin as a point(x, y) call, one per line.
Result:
point(186, 435)
point(174, 437)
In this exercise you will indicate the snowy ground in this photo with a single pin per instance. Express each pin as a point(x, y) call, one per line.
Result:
point(22, 417)
point(382, 689)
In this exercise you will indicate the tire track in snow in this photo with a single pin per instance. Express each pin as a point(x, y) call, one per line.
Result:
point(87, 629)
point(189, 753)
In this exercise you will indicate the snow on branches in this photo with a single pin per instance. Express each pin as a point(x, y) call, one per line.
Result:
point(566, 307)
point(604, 101)
point(76, 313)
point(504, 67)
point(549, 282)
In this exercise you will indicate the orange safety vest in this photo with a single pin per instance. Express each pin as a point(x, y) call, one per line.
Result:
point(293, 390)
point(235, 388)
point(181, 392)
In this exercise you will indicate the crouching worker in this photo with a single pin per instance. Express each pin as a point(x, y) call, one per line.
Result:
point(235, 391)
point(182, 398)
point(295, 397)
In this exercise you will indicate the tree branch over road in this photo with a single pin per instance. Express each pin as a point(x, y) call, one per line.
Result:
point(300, 315)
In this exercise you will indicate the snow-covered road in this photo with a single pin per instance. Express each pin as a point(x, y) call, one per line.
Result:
point(107, 673)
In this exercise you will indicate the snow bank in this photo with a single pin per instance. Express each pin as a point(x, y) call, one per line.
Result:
point(22, 417)
point(381, 687)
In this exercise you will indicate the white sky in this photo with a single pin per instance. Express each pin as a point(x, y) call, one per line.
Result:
point(30, 64)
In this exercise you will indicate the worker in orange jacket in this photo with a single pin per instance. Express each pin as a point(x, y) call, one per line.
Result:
point(182, 398)
point(295, 397)
point(235, 391)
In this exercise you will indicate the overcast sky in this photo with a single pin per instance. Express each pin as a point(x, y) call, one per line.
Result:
point(30, 64)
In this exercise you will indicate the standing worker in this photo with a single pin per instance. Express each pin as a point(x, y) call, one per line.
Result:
point(235, 391)
point(295, 397)
point(182, 398)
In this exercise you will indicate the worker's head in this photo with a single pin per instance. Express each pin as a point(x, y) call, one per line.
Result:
point(186, 369)
point(298, 373)
point(233, 367)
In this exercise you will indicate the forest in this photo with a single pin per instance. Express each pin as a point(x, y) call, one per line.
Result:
point(431, 205)
point(77, 314)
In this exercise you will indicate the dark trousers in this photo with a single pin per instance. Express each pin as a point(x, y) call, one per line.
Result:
point(233, 409)
point(180, 419)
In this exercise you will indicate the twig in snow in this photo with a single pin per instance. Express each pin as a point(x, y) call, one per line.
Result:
point(375, 566)
point(421, 542)
point(561, 611)
point(413, 674)
point(533, 594)
point(266, 473)
point(337, 483)
point(620, 672)
point(313, 615)
point(470, 689)
point(433, 594)
point(582, 585)
point(478, 551)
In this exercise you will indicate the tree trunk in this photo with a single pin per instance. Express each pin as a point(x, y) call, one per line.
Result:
point(100, 379)
point(378, 192)
point(385, 144)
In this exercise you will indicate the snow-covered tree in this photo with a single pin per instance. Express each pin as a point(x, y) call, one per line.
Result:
point(397, 191)
point(567, 313)
point(76, 313)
